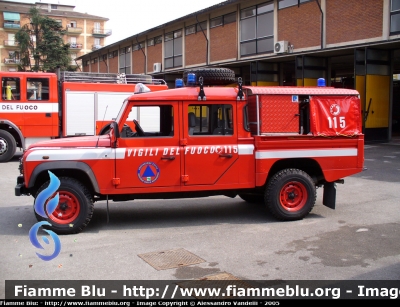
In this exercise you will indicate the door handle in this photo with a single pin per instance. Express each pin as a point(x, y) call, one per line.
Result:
point(225, 155)
point(168, 158)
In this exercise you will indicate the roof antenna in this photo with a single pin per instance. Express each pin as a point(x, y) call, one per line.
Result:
point(97, 143)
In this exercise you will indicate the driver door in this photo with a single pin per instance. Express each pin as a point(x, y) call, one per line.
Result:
point(149, 153)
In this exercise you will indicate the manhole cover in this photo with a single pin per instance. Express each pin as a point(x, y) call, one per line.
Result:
point(170, 259)
point(224, 286)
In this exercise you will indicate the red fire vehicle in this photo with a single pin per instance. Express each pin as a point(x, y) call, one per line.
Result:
point(273, 145)
point(43, 106)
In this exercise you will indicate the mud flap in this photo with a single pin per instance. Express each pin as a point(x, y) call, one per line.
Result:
point(329, 197)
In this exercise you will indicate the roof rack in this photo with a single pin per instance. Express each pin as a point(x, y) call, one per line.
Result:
point(73, 76)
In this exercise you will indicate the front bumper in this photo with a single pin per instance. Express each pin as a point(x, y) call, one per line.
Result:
point(20, 188)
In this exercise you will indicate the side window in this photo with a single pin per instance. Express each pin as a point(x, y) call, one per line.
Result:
point(212, 119)
point(37, 88)
point(10, 88)
point(149, 121)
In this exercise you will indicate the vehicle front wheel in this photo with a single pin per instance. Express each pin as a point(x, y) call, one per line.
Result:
point(74, 210)
point(290, 195)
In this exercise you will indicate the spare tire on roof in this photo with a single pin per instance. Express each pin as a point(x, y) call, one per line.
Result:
point(211, 76)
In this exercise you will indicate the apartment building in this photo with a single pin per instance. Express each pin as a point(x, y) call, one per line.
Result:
point(85, 32)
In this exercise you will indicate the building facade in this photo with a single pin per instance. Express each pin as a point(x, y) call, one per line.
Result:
point(352, 44)
point(85, 33)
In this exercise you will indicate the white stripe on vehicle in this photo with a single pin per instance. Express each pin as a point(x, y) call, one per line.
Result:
point(246, 149)
point(28, 107)
point(305, 153)
point(58, 154)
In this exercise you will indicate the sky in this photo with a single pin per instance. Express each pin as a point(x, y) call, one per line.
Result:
point(130, 17)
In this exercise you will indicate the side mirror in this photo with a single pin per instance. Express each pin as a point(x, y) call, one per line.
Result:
point(114, 134)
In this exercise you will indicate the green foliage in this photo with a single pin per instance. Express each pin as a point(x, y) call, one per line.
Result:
point(42, 40)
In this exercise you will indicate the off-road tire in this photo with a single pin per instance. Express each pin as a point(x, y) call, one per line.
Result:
point(212, 76)
point(290, 195)
point(7, 140)
point(79, 207)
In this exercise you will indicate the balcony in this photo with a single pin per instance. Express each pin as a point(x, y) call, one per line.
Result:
point(11, 44)
point(101, 32)
point(12, 61)
point(75, 46)
point(10, 26)
point(96, 47)
point(74, 30)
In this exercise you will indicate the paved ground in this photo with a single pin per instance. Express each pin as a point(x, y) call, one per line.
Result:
point(359, 240)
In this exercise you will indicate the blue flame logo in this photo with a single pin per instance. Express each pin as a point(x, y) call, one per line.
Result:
point(41, 210)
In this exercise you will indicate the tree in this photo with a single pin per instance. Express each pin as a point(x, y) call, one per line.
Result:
point(42, 40)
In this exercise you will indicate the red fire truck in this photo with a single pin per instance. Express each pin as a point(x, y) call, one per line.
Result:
point(273, 145)
point(42, 106)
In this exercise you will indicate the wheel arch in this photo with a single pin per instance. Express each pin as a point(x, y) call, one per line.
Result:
point(77, 170)
point(308, 165)
point(13, 129)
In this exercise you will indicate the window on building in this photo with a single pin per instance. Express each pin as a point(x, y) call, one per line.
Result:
point(54, 6)
point(72, 42)
point(190, 30)
point(13, 58)
point(199, 27)
point(72, 24)
point(210, 119)
point(138, 46)
point(286, 3)
point(97, 43)
point(11, 20)
point(37, 88)
point(115, 53)
point(229, 18)
point(104, 57)
point(173, 49)
point(223, 20)
point(257, 29)
point(59, 21)
point(157, 40)
point(394, 17)
point(125, 60)
point(10, 39)
point(150, 42)
point(96, 29)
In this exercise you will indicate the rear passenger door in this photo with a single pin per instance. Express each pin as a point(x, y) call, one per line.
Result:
point(210, 144)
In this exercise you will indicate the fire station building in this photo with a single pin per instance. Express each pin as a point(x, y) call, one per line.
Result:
point(352, 44)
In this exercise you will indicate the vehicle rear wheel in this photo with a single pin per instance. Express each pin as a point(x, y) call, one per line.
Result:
point(8, 146)
point(252, 198)
point(290, 195)
point(74, 210)
point(212, 76)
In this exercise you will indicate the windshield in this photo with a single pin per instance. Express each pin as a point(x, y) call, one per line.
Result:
point(121, 111)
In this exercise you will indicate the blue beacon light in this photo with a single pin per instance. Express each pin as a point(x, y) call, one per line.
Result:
point(321, 82)
point(191, 79)
point(178, 83)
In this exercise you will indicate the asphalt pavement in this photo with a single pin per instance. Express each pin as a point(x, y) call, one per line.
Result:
point(359, 240)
